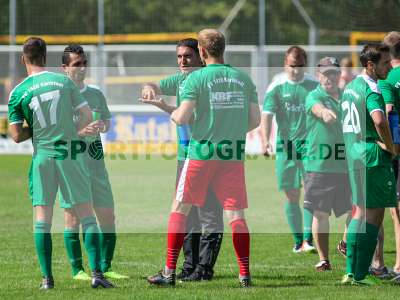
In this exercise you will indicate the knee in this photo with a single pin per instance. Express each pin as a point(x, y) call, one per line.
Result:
point(182, 208)
point(105, 216)
point(71, 220)
point(234, 215)
point(320, 215)
point(293, 195)
point(394, 212)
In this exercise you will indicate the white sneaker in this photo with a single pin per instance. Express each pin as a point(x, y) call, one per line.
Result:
point(297, 248)
point(308, 247)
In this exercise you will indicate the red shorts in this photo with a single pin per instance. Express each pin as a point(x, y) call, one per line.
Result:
point(225, 178)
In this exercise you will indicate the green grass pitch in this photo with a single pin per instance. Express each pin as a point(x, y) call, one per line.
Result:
point(143, 191)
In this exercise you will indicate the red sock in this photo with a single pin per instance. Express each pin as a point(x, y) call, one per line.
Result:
point(241, 243)
point(176, 234)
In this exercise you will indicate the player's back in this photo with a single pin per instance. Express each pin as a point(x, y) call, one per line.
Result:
point(223, 99)
point(47, 100)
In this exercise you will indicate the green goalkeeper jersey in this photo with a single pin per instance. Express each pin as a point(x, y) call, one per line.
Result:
point(286, 99)
point(361, 98)
point(46, 101)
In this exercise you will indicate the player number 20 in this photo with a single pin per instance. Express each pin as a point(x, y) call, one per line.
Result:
point(53, 97)
point(351, 122)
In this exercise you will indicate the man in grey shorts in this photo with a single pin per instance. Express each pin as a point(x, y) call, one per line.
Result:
point(326, 183)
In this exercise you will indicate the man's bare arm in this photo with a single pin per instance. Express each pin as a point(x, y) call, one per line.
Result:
point(85, 118)
point(254, 116)
point(320, 111)
point(151, 93)
point(266, 126)
point(184, 113)
point(382, 128)
point(20, 133)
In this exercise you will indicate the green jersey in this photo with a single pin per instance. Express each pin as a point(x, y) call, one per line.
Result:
point(390, 88)
point(286, 99)
point(361, 98)
point(324, 144)
point(97, 102)
point(223, 95)
point(46, 101)
point(171, 86)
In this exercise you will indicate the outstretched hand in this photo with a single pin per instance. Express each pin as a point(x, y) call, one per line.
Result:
point(328, 116)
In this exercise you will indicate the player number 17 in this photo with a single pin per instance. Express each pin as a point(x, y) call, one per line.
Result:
point(54, 97)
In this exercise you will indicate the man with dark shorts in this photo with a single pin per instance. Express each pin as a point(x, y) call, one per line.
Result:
point(326, 182)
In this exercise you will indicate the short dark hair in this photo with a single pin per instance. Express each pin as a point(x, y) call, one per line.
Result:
point(372, 52)
point(34, 51)
point(72, 48)
point(190, 43)
point(296, 51)
point(395, 50)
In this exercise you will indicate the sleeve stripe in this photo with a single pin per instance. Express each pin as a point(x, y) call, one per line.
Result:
point(16, 122)
point(378, 109)
point(81, 105)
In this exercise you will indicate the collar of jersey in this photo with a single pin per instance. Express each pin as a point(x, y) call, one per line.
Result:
point(39, 73)
point(373, 85)
point(217, 65)
point(294, 82)
point(82, 90)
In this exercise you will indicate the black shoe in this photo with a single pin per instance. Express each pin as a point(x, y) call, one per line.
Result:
point(99, 280)
point(199, 274)
point(185, 273)
point(245, 281)
point(161, 279)
point(47, 283)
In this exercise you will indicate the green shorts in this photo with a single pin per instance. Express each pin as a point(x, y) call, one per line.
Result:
point(290, 172)
point(373, 187)
point(47, 175)
point(100, 186)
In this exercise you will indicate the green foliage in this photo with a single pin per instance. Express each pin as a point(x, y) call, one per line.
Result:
point(284, 25)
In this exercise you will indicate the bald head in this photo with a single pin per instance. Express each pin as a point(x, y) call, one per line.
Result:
point(213, 41)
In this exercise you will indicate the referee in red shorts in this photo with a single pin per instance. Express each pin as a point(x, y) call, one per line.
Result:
point(222, 103)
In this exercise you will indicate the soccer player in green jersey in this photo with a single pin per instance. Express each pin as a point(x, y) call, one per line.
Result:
point(326, 182)
point(285, 98)
point(222, 102)
point(204, 225)
point(47, 101)
point(390, 88)
point(369, 152)
point(74, 63)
